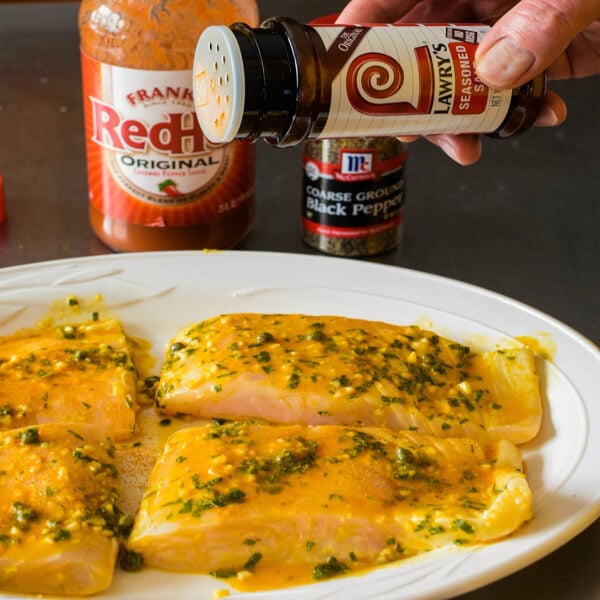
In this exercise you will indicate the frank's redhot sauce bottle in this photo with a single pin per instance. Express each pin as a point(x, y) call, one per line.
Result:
point(288, 82)
point(155, 181)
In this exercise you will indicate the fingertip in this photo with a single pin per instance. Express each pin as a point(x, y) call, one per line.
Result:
point(504, 63)
point(464, 149)
point(553, 111)
point(408, 139)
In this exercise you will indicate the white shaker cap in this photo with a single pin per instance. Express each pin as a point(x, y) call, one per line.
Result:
point(219, 86)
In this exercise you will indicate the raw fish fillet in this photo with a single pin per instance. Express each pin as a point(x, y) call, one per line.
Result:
point(238, 499)
point(69, 373)
point(58, 519)
point(335, 370)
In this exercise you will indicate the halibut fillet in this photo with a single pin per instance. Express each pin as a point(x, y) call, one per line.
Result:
point(243, 498)
point(59, 524)
point(69, 373)
point(335, 370)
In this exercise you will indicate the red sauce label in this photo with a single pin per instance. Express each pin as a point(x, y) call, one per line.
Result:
point(148, 161)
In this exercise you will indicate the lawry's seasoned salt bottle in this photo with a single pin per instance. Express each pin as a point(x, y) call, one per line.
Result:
point(288, 82)
point(155, 181)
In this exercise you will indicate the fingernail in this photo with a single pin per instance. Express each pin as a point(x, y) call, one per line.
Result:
point(504, 63)
point(448, 148)
point(546, 117)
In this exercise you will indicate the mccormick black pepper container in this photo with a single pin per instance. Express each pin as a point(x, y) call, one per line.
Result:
point(287, 82)
point(353, 195)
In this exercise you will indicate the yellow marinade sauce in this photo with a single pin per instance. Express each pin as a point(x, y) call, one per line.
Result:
point(73, 366)
point(336, 370)
point(59, 521)
point(540, 343)
point(267, 506)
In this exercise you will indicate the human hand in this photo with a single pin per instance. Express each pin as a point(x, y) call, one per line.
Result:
point(527, 37)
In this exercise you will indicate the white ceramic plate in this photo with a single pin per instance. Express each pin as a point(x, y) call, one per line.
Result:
point(155, 294)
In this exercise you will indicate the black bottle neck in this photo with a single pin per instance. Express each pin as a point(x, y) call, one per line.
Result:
point(287, 91)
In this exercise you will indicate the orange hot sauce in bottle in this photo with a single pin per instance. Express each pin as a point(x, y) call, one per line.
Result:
point(155, 181)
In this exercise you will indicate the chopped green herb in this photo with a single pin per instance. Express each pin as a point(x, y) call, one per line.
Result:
point(62, 535)
point(293, 380)
point(463, 525)
point(6, 411)
point(330, 568)
point(252, 561)
point(30, 436)
point(427, 526)
point(262, 357)
point(22, 515)
point(264, 337)
point(176, 347)
point(131, 561)
point(249, 542)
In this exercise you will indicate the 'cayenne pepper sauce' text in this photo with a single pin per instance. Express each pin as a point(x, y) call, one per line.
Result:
point(155, 181)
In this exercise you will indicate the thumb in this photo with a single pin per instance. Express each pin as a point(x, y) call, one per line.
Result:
point(529, 38)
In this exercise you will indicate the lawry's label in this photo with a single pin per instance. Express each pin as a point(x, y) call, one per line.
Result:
point(414, 79)
point(146, 151)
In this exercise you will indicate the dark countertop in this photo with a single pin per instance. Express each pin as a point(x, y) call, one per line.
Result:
point(524, 221)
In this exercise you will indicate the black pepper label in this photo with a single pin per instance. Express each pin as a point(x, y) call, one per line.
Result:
point(354, 190)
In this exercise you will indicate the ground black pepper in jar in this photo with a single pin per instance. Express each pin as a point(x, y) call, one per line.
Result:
point(353, 195)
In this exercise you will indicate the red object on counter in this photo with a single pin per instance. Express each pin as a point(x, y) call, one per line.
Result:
point(2, 202)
